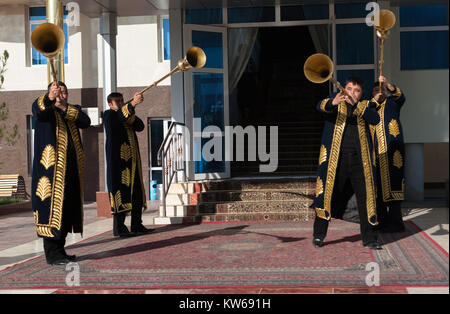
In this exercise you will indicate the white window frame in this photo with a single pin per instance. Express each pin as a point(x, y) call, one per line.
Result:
point(160, 38)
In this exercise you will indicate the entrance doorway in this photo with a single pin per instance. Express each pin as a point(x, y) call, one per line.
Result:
point(273, 91)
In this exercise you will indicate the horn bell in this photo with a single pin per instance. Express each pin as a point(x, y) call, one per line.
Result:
point(318, 68)
point(48, 39)
point(387, 20)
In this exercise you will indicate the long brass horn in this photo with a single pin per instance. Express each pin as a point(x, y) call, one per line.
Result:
point(195, 58)
point(48, 39)
point(386, 20)
point(318, 68)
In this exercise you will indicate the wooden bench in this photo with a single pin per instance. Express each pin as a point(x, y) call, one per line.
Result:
point(12, 185)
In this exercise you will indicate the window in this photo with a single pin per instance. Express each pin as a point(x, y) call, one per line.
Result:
point(251, 15)
point(164, 38)
point(424, 27)
point(38, 16)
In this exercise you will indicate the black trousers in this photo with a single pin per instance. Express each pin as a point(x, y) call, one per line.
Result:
point(136, 211)
point(349, 179)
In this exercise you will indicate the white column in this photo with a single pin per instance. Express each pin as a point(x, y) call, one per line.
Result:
point(108, 30)
point(414, 173)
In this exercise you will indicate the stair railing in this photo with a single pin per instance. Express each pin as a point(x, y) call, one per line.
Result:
point(171, 158)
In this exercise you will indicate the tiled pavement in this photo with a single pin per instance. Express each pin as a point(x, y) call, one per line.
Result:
point(18, 242)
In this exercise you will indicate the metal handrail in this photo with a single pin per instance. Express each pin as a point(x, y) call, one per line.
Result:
point(170, 157)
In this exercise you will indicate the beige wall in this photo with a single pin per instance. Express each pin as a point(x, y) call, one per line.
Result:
point(425, 115)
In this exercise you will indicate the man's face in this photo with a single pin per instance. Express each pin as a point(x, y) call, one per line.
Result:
point(116, 103)
point(377, 94)
point(64, 93)
point(355, 90)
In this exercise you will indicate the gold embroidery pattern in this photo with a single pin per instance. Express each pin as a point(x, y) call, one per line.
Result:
point(322, 155)
point(333, 159)
point(48, 157)
point(43, 189)
point(323, 103)
point(361, 108)
point(394, 130)
point(117, 200)
point(397, 92)
point(125, 111)
point(133, 149)
point(127, 206)
point(57, 189)
point(131, 120)
point(80, 161)
point(319, 186)
point(368, 174)
point(383, 156)
point(72, 113)
point(111, 200)
point(125, 152)
point(126, 177)
point(398, 159)
point(40, 103)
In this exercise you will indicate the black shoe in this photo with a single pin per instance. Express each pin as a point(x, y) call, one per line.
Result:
point(140, 230)
point(317, 242)
point(373, 246)
point(59, 262)
point(123, 233)
point(71, 258)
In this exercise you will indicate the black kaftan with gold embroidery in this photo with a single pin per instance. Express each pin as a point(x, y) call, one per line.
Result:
point(58, 164)
point(390, 148)
point(123, 160)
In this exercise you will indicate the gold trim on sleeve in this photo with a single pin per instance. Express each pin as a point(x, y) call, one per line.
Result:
point(323, 104)
point(40, 103)
point(72, 113)
point(125, 111)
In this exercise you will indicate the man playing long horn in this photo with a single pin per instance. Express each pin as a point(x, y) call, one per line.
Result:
point(123, 164)
point(390, 155)
point(58, 164)
point(345, 163)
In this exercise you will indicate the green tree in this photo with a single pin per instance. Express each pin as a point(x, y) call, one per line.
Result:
point(10, 136)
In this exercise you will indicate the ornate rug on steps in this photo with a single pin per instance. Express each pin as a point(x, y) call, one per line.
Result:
point(241, 254)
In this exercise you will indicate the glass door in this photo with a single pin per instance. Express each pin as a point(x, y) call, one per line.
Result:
point(207, 104)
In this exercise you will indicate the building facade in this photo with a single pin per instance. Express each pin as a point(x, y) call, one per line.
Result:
point(253, 76)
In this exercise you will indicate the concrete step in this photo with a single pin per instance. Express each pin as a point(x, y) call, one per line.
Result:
point(262, 195)
point(304, 215)
point(304, 184)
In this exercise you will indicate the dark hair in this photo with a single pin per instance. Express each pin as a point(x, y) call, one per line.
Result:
point(59, 84)
point(113, 95)
point(376, 84)
point(356, 81)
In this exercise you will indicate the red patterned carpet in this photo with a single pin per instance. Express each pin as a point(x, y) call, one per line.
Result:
point(240, 255)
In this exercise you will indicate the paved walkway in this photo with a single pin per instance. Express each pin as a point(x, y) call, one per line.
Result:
point(18, 242)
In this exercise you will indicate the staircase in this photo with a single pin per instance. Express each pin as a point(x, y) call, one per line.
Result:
point(240, 200)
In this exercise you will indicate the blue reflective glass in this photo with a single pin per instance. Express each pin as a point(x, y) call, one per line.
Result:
point(204, 16)
point(424, 50)
point(354, 44)
point(366, 75)
point(40, 13)
point(304, 12)
point(157, 176)
point(166, 32)
point(211, 43)
point(351, 10)
point(251, 15)
point(209, 107)
point(433, 15)
point(156, 139)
